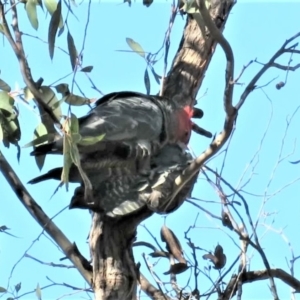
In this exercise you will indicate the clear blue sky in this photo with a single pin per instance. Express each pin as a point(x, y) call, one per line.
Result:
point(256, 29)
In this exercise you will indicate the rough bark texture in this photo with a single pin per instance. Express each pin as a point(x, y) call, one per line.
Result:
point(194, 55)
point(113, 259)
point(115, 274)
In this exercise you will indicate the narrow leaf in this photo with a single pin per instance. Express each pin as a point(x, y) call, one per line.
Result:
point(2, 290)
point(6, 102)
point(53, 26)
point(38, 141)
point(51, 6)
point(147, 81)
point(74, 126)
point(87, 69)
point(41, 132)
point(72, 51)
point(136, 47)
point(18, 286)
point(31, 13)
point(156, 76)
point(1, 133)
point(91, 140)
point(27, 94)
point(38, 292)
point(76, 100)
point(50, 99)
point(63, 89)
point(4, 86)
point(172, 243)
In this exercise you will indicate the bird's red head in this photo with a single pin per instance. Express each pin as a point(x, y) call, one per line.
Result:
point(185, 124)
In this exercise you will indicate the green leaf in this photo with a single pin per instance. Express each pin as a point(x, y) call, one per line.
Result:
point(74, 125)
point(38, 292)
point(76, 100)
point(1, 133)
point(39, 132)
point(51, 6)
point(87, 69)
point(53, 26)
point(31, 13)
point(2, 290)
point(27, 94)
point(50, 98)
point(147, 81)
point(136, 47)
point(13, 130)
point(156, 76)
point(72, 51)
point(90, 140)
point(67, 162)
point(38, 140)
point(63, 88)
point(1, 28)
point(4, 86)
point(6, 102)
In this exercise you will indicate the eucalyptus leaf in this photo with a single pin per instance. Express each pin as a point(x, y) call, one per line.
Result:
point(1, 133)
point(6, 102)
point(63, 88)
point(136, 47)
point(31, 13)
point(91, 140)
point(38, 292)
point(76, 100)
point(51, 100)
point(87, 69)
point(53, 27)
point(51, 6)
point(40, 132)
point(72, 51)
point(147, 81)
point(4, 86)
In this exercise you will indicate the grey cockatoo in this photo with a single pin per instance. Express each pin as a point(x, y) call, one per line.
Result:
point(122, 190)
point(139, 124)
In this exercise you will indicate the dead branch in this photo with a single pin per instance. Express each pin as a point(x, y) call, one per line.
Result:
point(150, 290)
point(252, 276)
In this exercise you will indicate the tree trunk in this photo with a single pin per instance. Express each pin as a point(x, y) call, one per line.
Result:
point(114, 271)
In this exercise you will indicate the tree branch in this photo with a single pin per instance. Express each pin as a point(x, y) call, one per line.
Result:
point(248, 277)
point(150, 290)
point(18, 49)
point(69, 249)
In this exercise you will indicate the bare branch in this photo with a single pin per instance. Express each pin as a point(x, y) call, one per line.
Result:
point(250, 87)
point(69, 249)
point(252, 276)
point(150, 290)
